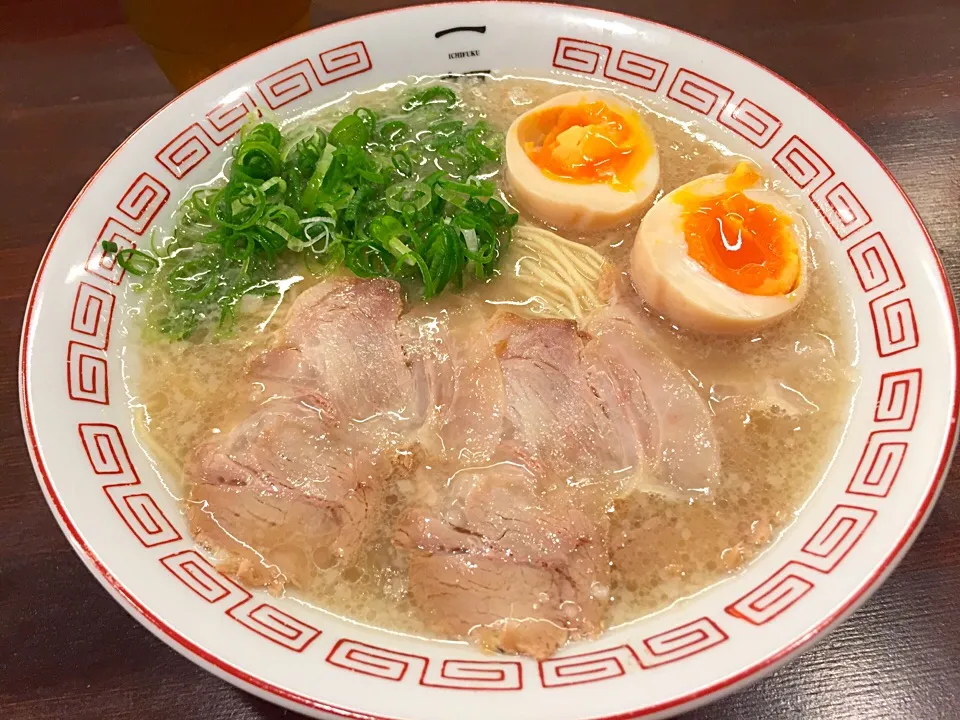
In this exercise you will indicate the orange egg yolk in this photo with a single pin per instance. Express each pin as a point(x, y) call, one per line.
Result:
point(747, 245)
point(588, 143)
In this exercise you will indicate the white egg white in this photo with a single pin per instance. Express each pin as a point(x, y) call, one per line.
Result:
point(683, 291)
point(579, 206)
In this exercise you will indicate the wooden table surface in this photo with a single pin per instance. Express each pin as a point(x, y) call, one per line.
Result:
point(74, 81)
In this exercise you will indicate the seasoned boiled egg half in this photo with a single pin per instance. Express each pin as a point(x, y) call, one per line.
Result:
point(722, 254)
point(583, 160)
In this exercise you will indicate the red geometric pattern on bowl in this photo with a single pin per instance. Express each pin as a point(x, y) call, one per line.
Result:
point(641, 71)
point(899, 400)
point(580, 56)
point(875, 266)
point(105, 266)
point(680, 642)
point(588, 667)
point(396, 666)
point(802, 164)
point(197, 574)
point(894, 322)
point(93, 314)
point(374, 661)
point(699, 93)
point(750, 121)
point(141, 203)
point(631, 68)
point(821, 554)
point(841, 208)
point(886, 448)
point(187, 150)
point(670, 646)
point(895, 325)
point(226, 119)
point(108, 455)
point(343, 62)
point(775, 595)
point(87, 374)
point(835, 538)
point(275, 625)
point(879, 465)
point(474, 675)
point(832, 198)
point(288, 84)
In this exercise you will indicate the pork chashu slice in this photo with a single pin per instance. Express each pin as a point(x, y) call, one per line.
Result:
point(508, 559)
point(602, 404)
point(341, 340)
point(285, 493)
point(512, 553)
point(664, 427)
point(294, 487)
point(551, 409)
point(458, 385)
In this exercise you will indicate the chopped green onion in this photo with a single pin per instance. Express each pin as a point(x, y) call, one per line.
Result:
point(195, 279)
point(416, 194)
point(257, 159)
point(447, 128)
point(484, 142)
point(438, 95)
point(238, 246)
point(402, 163)
point(404, 192)
point(324, 261)
point(368, 117)
point(136, 262)
point(351, 130)
point(239, 205)
point(264, 132)
point(367, 260)
point(394, 131)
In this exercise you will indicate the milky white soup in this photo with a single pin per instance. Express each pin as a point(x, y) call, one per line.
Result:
point(778, 399)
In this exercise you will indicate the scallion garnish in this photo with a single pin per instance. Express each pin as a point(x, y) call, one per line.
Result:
point(383, 196)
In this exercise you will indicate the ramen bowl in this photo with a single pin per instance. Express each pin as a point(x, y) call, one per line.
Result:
point(111, 498)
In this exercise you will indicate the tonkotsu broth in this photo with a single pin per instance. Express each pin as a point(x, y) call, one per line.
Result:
point(185, 392)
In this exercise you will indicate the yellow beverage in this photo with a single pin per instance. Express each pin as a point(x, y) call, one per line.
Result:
point(190, 39)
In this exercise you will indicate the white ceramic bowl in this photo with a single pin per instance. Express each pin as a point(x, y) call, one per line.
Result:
point(111, 503)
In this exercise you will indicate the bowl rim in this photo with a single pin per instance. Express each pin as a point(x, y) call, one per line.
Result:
point(240, 678)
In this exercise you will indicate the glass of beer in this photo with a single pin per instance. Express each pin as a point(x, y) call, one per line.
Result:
point(191, 39)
